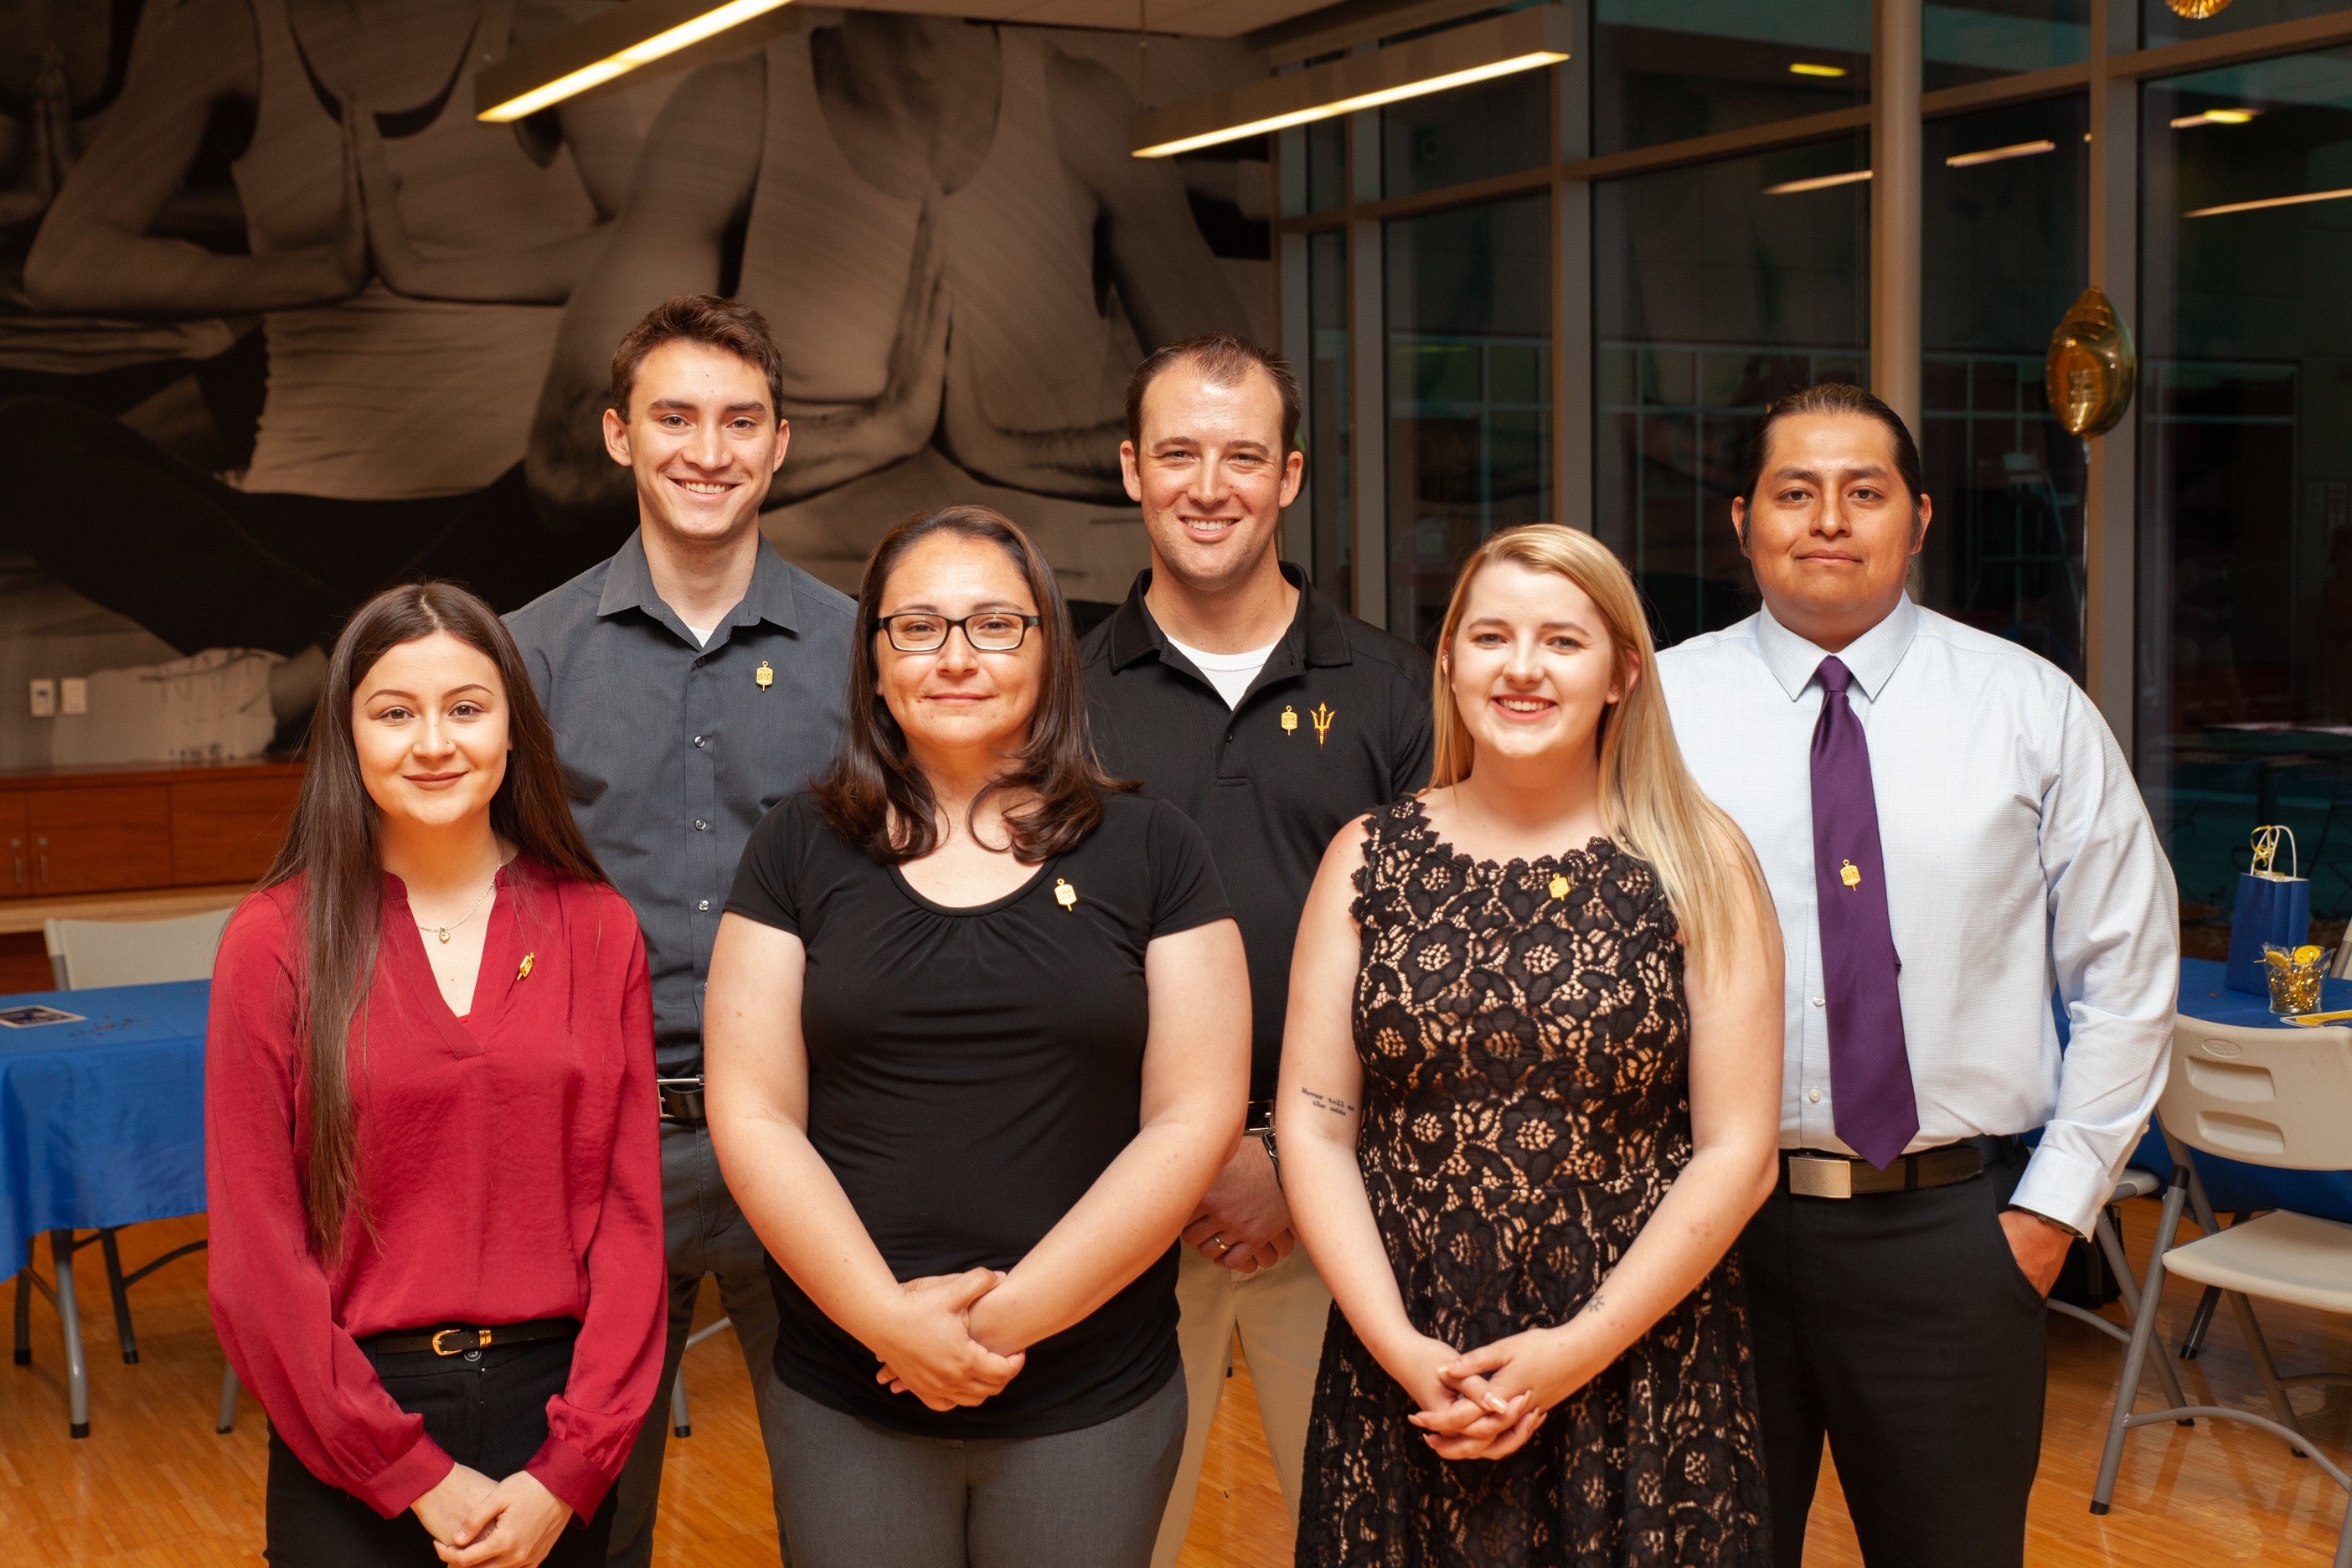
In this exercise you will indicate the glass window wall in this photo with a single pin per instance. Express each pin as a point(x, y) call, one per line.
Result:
point(1715, 289)
point(2245, 556)
point(1666, 70)
point(2160, 23)
point(2005, 218)
point(1330, 397)
point(1469, 392)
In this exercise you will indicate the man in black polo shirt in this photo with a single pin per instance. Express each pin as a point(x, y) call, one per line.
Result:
point(694, 681)
point(1273, 720)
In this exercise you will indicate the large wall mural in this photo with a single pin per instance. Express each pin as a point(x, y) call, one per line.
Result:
point(280, 322)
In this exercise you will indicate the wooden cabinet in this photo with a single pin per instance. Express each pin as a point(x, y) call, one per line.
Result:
point(127, 830)
point(99, 840)
point(228, 830)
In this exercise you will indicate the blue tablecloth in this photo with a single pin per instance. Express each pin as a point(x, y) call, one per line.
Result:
point(2233, 1183)
point(102, 1122)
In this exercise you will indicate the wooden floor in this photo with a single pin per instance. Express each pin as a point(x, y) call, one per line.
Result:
point(153, 1486)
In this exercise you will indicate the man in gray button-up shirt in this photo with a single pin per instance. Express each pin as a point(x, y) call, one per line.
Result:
point(694, 681)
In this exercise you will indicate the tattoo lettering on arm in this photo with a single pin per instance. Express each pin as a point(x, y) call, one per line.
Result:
point(1331, 1102)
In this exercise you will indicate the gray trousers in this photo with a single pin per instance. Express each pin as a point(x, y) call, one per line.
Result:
point(705, 1234)
point(852, 1494)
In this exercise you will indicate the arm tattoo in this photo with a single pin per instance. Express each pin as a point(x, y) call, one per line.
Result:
point(1331, 1102)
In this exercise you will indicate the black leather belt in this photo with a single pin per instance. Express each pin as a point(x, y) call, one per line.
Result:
point(681, 1101)
point(459, 1341)
point(1260, 1118)
point(1812, 1174)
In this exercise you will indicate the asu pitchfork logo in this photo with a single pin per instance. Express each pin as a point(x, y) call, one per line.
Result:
point(1322, 716)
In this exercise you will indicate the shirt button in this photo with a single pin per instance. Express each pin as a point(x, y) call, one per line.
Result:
point(700, 742)
point(1818, 1002)
point(1815, 1097)
point(701, 826)
point(704, 905)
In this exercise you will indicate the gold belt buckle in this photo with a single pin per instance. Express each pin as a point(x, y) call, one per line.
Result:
point(458, 1346)
point(1817, 1176)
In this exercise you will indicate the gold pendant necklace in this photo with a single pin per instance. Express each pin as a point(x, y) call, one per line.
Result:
point(443, 932)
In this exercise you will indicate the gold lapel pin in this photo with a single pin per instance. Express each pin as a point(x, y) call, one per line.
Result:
point(1290, 719)
point(1323, 715)
point(764, 677)
point(1559, 886)
point(523, 972)
point(1849, 875)
point(1064, 895)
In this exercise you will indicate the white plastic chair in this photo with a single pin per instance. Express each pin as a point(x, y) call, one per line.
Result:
point(85, 955)
point(2281, 1097)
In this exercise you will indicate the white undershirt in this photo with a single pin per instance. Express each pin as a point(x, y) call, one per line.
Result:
point(1230, 673)
point(701, 633)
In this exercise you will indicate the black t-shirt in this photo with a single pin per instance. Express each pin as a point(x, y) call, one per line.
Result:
point(971, 1071)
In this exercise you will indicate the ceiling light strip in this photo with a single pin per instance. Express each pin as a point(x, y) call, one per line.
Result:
point(2270, 202)
point(1807, 67)
point(2215, 117)
point(608, 46)
point(1500, 46)
point(1997, 154)
point(1818, 182)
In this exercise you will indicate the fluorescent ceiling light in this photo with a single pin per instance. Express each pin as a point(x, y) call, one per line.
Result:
point(1807, 67)
point(1818, 182)
point(1515, 41)
point(2215, 117)
point(2270, 202)
point(594, 52)
point(1995, 155)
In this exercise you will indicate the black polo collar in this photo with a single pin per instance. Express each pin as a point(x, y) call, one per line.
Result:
point(629, 585)
point(1318, 634)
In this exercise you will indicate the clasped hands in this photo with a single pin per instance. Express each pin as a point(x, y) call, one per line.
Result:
point(477, 1522)
point(932, 1344)
point(1487, 1404)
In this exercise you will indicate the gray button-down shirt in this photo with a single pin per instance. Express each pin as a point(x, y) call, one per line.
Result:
point(672, 752)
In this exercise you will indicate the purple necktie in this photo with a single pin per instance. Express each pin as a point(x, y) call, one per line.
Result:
point(1870, 1070)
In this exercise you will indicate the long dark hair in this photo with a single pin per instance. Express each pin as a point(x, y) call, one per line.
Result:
point(331, 849)
point(875, 796)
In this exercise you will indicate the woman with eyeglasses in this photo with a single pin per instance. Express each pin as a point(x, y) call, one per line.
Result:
point(977, 1040)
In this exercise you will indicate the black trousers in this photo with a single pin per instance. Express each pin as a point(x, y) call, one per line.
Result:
point(1899, 1327)
point(488, 1408)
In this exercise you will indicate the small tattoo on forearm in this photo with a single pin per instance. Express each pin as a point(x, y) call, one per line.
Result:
point(1597, 1302)
point(1331, 1102)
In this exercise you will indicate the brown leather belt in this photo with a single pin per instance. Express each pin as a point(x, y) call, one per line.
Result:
point(1813, 1173)
point(681, 1101)
point(459, 1341)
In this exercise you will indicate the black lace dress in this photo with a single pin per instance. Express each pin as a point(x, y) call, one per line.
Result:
point(1526, 1050)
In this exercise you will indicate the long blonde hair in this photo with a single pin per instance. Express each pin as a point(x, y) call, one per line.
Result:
point(1653, 809)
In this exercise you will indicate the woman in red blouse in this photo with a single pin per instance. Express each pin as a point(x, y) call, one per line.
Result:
point(435, 1188)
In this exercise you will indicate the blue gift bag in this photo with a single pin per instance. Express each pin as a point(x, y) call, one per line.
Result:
point(2273, 907)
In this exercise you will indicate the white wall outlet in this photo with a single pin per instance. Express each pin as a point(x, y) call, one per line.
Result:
point(44, 699)
point(73, 694)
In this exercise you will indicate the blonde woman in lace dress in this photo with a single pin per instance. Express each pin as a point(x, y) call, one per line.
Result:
point(1530, 1093)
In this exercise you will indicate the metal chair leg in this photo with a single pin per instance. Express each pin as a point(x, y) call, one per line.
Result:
point(2111, 1457)
point(61, 1247)
point(2111, 1246)
point(679, 1422)
point(2265, 1369)
point(228, 1419)
point(2199, 1323)
point(120, 1290)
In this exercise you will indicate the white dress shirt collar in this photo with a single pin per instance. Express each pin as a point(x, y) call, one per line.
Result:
point(1870, 657)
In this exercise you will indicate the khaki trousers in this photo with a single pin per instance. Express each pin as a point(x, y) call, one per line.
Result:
point(1280, 1315)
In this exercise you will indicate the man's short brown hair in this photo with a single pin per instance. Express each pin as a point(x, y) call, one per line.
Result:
point(1223, 360)
point(726, 324)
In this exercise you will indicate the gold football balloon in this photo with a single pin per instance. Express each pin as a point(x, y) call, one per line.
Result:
point(2090, 367)
point(2198, 10)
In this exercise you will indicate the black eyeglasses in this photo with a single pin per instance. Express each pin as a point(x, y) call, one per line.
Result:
point(990, 631)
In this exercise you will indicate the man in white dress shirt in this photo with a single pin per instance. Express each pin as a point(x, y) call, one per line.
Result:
point(1951, 835)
